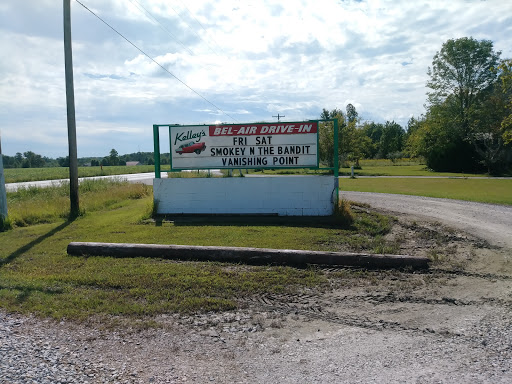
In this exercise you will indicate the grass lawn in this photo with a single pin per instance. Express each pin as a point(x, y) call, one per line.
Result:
point(37, 275)
point(17, 175)
point(402, 170)
point(495, 191)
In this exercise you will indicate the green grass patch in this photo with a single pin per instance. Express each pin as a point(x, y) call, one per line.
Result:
point(17, 175)
point(37, 275)
point(497, 191)
point(34, 205)
point(402, 170)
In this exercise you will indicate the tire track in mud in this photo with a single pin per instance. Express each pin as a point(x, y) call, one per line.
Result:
point(318, 306)
point(485, 276)
point(288, 305)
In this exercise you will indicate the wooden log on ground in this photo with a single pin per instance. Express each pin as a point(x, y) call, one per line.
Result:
point(260, 256)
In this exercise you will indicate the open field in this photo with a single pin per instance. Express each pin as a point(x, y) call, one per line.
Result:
point(496, 191)
point(18, 175)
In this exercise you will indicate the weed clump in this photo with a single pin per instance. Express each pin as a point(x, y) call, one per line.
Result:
point(343, 214)
point(5, 224)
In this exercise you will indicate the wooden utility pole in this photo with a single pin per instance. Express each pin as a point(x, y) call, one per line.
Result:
point(70, 99)
point(279, 116)
point(3, 195)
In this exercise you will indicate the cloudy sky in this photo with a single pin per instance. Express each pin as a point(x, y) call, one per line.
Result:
point(247, 59)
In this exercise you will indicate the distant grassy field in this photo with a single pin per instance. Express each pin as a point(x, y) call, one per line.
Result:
point(402, 170)
point(17, 175)
point(379, 167)
point(37, 275)
point(495, 191)
point(401, 167)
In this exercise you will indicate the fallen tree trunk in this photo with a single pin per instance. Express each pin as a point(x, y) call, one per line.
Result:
point(247, 255)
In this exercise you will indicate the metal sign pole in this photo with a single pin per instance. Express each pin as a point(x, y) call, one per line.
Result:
point(336, 161)
point(156, 143)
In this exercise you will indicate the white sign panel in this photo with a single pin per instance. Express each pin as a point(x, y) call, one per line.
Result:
point(276, 145)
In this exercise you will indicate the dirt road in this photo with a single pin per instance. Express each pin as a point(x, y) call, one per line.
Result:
point(489, 221)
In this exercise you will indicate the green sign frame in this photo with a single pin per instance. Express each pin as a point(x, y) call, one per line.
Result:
point(335, 168)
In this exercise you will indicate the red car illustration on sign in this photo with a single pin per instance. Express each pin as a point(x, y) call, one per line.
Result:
point(191, 147)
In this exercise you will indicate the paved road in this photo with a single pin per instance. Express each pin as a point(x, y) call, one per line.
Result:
point(146, 178)
point(488, 221)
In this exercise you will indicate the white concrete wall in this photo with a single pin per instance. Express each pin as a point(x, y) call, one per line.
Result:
point(283, 195)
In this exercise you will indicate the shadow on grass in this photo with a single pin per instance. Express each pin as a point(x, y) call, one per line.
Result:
point(26, 291)
point(33, 243)
point(253, 221)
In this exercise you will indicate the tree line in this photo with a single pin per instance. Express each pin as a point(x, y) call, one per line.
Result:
point(358, 141)
point(467, 125)
point(30, 159)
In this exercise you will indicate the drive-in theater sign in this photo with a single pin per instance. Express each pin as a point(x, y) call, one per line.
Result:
point(245, 146)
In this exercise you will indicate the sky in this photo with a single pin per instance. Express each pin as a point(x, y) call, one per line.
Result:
point(237, 61)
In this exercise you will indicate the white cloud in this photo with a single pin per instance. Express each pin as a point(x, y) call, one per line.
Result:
point(251, 59)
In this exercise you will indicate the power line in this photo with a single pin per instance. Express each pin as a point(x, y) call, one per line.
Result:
point(147, 13)
point(189, 27)
point(139, 6)
point(201, 25)
point(157, 63)
point(198, 22)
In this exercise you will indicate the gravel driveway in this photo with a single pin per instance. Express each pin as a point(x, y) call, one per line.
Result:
point(489, 221)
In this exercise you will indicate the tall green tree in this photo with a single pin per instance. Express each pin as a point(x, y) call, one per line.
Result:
point(32, 160)
point(391, 140)
point(462, 75)
point(487, 134)
point(113, 158)
point(326, 136)
point(462, 70)
point(352, 141)
point(434, 140)
point(63, 161)
point(506, 87)
point(373, 131)
point(352, 114)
